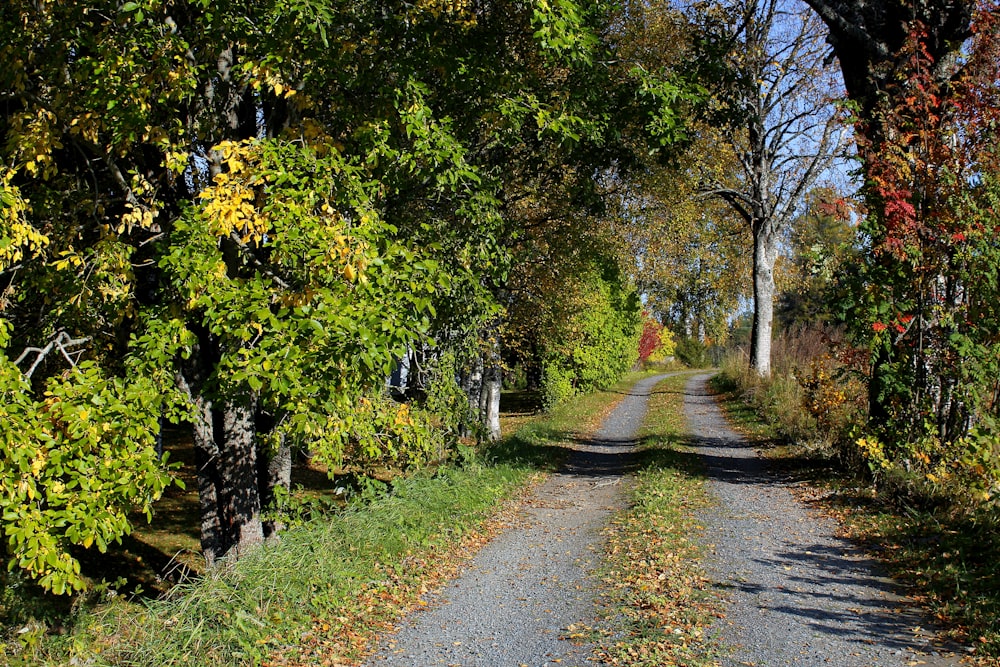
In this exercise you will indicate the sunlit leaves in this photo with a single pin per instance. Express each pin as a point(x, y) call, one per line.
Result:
point(73, 466)
point(17, 235)
point(312, 302)
point(560, 28)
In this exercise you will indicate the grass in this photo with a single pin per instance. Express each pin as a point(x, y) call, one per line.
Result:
point(948, 563)
point(944, 557)
point(660, 603)
point(323, 592)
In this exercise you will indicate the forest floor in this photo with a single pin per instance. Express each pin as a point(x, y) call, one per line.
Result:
point(789, 589)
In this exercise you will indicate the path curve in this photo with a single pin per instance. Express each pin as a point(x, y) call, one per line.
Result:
point(518, 596)
point(798, 594)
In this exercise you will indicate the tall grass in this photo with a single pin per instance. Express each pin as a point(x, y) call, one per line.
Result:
point(809, 399)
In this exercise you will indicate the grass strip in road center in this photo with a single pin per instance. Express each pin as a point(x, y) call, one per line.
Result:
point(659, 602)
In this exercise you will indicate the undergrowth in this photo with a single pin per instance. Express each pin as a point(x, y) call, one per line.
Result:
point(660, 602)
point(320, 594)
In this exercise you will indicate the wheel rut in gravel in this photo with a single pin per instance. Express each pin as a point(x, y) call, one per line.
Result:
point(515, 600)
point(797, 594)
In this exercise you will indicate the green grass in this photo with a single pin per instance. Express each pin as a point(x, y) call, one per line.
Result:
point(320, 594)
point(660, 602)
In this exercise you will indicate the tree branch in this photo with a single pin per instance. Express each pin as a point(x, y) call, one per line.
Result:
point(739, 201)
point(62, 342)
point(263, 268)
point(834, 16)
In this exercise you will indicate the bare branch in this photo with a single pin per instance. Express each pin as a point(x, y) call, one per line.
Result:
point(62, 342)
point(739, 201)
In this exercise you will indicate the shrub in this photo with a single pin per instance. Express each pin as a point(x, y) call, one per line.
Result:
point(691, 352)
point(557, 385)
point(811, 398)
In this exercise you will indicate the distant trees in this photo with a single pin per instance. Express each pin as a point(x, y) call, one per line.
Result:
point(821, 246)
point(656, 343)
point(692, 255)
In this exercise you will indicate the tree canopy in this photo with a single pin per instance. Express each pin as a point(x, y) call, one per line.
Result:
point(242, 216)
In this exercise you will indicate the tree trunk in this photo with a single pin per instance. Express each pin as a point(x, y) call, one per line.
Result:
point(868, 38)
point(490, 394)
point(226, 459)
point(227, 481)
point(472, 385)
point(763, 303)
point(275, 468)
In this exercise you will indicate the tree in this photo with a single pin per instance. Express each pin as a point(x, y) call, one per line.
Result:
point(821, 244)
point(775, 104)
point(925, 298)
point(592, 331)
point(869, 39)
point(909, 69)
point(209, 222)
point(691, 253)
point(656, 343)
point(239, 214)
point(572, 309)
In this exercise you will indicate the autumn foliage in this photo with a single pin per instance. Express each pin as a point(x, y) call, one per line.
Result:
point(656, 342)
point(926, 302)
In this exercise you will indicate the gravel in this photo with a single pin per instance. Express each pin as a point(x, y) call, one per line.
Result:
point(521, 593)
point(798, 594)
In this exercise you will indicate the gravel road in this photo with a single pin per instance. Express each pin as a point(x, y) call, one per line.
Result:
point(523, 590)
point(798, 594)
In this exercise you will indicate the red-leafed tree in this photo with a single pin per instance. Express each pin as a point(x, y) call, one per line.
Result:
point(649, 340)
point(927, 301)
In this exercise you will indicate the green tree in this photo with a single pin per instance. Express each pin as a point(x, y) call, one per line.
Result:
point(239, 214)
point(592, 338)
point(692, 255)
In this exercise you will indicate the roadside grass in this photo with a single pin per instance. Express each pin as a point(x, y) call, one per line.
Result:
point(946, 561)
point(321, 594)
point(660, 604)
point(944, 557)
